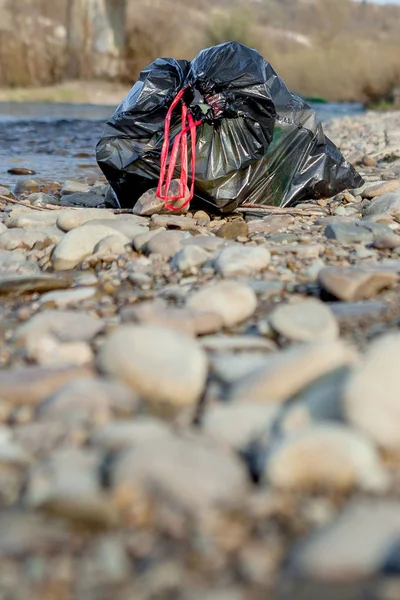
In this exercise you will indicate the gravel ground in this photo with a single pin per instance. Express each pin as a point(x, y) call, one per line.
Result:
point(202, 408)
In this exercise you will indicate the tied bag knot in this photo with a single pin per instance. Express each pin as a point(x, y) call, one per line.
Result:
point(188, 124)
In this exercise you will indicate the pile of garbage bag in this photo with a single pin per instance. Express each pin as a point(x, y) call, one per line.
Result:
point(228, 128)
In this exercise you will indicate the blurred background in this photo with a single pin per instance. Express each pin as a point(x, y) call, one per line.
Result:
point(334, 50)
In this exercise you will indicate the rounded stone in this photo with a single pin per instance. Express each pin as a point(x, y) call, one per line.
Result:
point(233, 301)
point(164, 366)
point(78, 244)
point(242, 260)
point(306, 321)
point(372, 395)
point(193, 475)
point(326, 456)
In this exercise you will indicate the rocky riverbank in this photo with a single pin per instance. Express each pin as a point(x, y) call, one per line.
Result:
point(195, 407)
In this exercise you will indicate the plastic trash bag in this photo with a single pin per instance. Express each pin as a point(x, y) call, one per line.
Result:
point(238, 134)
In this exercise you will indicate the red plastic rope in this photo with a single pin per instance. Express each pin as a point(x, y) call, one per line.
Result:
point(180, 144)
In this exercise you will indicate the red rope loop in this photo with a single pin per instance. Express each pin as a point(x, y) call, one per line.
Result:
point(180, 145)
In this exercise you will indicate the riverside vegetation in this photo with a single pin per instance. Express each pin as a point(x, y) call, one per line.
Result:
point(340, 51)
point(196, 407)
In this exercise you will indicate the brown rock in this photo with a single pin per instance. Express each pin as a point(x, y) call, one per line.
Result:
point(381, 188)
point(21, 171)
point(355, 283)
point(233, 229)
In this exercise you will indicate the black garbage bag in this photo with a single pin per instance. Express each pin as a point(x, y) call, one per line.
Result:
point(227, 123)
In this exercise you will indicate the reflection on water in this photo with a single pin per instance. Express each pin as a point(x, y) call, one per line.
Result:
point(58, 140)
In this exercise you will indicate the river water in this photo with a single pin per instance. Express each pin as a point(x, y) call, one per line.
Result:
point(58, 140)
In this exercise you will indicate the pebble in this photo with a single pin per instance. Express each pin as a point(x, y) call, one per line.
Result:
point(128, 227)
point(21, 171)
point(269, 225)
point(306, 321)
point(30, 219)
point(238, 426)
point(189, 259)
point(372, 396)
point(241, 260)
point(65, 298)
point(140, 240)
point(123, 435)
point(42, 199)
point(30, 385)
point(149, 204)
point(355, 233)
point(134, 353)
point(355, 283)
point(233, 343)
point(13, 239)
point(352, 548)
point(70, 219)
point(288, 372)
point(71, 186)
point(46, 351)
point(388, 204)
point(89, 199)
point(87, 401)
point(65, 326)
point(78, 244)
point(165, 243)
point(234, 302)
point(42, 282)
point(208, 477)
point(183, 319)
point(67, 485)
point(387, 241)
point(381, 188)
point(233, 229)
point(172, 221)
point(229, 366)
point(206, 242)
point(26, 186)
point(325, 456)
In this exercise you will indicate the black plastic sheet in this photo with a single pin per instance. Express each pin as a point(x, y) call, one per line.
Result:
point(258, 143)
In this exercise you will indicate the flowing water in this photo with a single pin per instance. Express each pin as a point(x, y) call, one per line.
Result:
point(57, 141)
